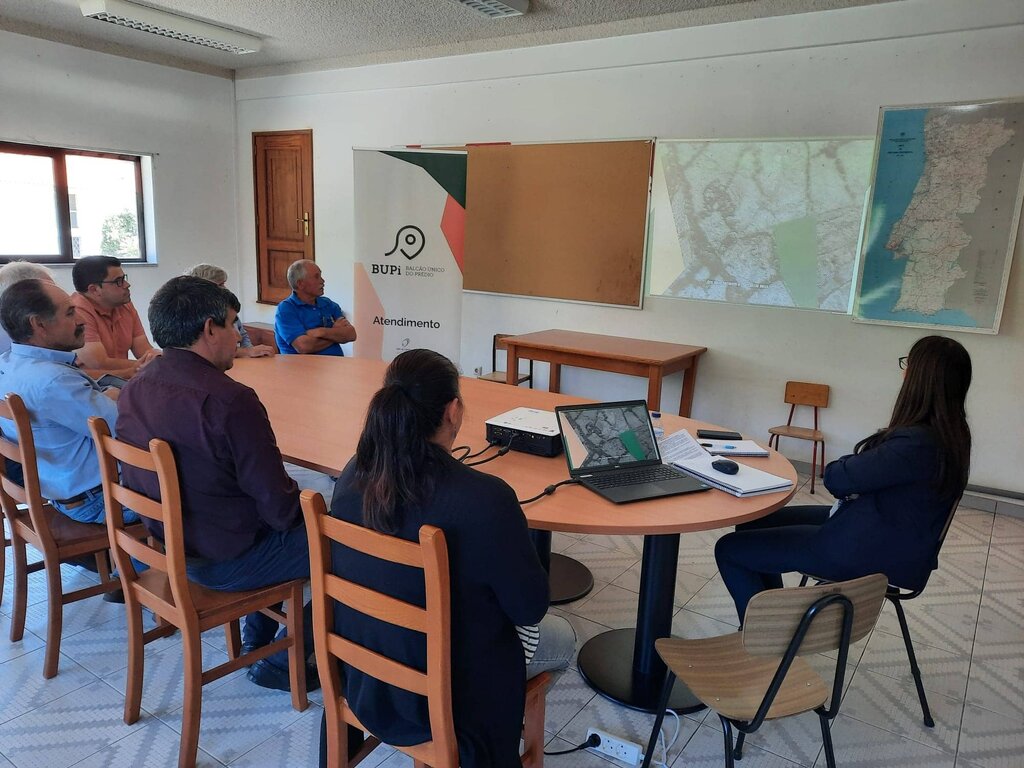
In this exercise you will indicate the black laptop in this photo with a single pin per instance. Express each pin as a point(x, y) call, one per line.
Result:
point(612, 450)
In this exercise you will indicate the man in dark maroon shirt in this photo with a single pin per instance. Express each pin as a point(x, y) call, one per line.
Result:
point(241, 517)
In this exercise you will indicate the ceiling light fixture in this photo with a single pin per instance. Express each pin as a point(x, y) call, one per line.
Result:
point(497, 9)
point(171, 25)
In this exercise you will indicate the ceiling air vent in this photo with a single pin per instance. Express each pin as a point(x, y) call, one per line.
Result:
point(496, 9)
point(171, 25)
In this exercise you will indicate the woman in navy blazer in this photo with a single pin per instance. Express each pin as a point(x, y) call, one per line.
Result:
point(894, 492)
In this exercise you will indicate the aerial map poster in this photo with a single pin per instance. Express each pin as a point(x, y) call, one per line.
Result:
point(772, 222)
point(942, 221)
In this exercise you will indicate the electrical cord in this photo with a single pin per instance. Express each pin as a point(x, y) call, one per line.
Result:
point(661, 740)
point(549, 490)
point(464, 456)
point(592, 741)
point(501, 452)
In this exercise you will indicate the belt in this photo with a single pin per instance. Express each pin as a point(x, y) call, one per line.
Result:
point(77, 501)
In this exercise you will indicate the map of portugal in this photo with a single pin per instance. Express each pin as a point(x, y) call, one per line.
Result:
point(930, 234)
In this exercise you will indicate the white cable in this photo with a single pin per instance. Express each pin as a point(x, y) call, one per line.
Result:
point(663, 763)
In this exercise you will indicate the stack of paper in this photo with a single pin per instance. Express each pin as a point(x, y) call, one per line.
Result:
point(683, 451)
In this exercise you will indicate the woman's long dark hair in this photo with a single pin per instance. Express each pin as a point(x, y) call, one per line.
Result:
point(932, 396)
point(396, 462)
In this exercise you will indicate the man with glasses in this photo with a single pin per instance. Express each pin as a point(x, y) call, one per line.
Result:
point(103, 298)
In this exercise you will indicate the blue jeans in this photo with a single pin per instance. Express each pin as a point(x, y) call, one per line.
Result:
point(93, 510)
point(755, 556)
point(278, 556)
point(556, 647)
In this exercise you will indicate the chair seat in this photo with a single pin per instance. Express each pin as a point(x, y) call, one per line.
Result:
point(211, 604)
point(801, 433)
point(500, 377)
point(720, 672)
point(71, 537)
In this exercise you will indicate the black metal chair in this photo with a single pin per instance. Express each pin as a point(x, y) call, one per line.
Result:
point(897, 596)
point(759, 674)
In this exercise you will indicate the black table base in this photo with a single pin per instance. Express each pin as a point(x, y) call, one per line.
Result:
point(606, 663)
point(569, 579)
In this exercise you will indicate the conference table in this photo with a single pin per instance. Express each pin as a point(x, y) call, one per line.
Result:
point(317, 406)
point(617, 354)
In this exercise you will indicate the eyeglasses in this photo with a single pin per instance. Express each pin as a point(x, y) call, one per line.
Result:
point(118, 281)
point(903, 363)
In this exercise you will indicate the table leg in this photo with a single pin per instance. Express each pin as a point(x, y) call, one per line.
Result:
point(568, 579)
point(555, 378)
point(689, 385)
point(654, 389)
point(623, 665)
point(512, 366)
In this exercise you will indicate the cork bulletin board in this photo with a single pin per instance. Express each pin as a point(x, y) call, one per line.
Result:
point(562, 221)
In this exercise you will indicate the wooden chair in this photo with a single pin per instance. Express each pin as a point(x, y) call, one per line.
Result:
point(815, 396)
point(179, 603)
point(758, 674)
point(261, 333)
point(897, 596)
point(33, 520)
point(499, 376)
point(431, 555)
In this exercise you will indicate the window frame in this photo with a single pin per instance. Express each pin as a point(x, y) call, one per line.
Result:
point(57, 156)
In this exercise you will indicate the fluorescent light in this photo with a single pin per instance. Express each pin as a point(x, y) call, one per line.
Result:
point(497, 9)
point(170, 25)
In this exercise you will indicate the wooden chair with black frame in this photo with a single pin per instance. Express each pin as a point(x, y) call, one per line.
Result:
point(430, 555)
point(165, 589)
point(33, 520)
point(759, 673)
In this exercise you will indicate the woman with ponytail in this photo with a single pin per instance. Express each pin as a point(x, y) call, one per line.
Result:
point(403, 476)
point(894, 492)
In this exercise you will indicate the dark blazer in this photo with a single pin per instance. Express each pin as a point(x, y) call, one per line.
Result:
point(892, 514)
point(497, 582)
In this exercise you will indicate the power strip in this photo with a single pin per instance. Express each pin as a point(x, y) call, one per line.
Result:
point(626, 751)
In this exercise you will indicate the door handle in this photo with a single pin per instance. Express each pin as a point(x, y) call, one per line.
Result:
point(305, 222)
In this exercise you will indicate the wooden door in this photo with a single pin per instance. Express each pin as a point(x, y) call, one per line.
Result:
point(283, 177)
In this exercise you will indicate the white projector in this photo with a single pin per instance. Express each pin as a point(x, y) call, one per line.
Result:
point(527, 430)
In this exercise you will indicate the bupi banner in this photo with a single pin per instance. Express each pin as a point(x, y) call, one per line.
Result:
point(410, 215)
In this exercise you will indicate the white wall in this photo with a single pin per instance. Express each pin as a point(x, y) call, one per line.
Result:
point(809, 75)
point(61, 95)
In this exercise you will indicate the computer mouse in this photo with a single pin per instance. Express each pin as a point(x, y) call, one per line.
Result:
point(728, 466)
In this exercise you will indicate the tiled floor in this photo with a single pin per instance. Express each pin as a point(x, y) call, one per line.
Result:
point(968, 628)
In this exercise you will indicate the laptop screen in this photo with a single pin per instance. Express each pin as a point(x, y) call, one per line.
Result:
point(607, 435)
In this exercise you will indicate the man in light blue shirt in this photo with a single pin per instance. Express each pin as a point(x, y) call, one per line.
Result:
point(60, 398)
point(307, 322)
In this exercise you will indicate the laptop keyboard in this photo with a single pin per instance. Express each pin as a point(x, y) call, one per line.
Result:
point(633, 477)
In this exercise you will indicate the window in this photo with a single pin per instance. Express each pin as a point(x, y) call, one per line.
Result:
point(57, 205)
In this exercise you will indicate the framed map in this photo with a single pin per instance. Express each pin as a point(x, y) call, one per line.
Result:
point(942, 219)
point(772, 222)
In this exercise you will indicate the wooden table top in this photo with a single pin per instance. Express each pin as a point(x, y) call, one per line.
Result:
point(611, 347)
point(317, 406)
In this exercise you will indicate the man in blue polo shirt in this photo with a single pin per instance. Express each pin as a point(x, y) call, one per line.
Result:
point(307, 322)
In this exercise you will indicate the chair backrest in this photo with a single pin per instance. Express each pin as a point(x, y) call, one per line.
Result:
point(168, 558)
point(805, 393)
point(433, 621)
point(496, 344)
point(22, 449)
point(773, 616)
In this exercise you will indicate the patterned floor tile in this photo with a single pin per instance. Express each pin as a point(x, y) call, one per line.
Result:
point(631, 545)
point(613, 607)
point(687, 584)
point(1006, 529)
point(77, 616)
point(154, 746)
point(860, 745)
point(565, 699)
point(932, 626)
point(25, 689)
point(1005, 566)
point(237, 716)
point(713, 601)
point(584, 628)
point(697, 553)
point(104, 648)
point(163, 676)
point(942, 671)
point(796, 738)
point(605, 564)
point(623, 723)
point(298, 744)
point(893, 706)
point(9, 650)
point(72, 578)
point(561, 542)
point(991, 740)
point(998, 688)
point(707, 749)
point(87, 720)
